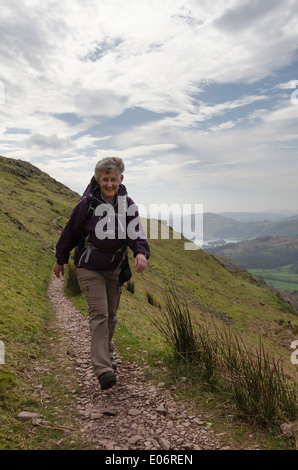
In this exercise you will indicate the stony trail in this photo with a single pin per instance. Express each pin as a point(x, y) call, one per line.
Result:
point(136, 414)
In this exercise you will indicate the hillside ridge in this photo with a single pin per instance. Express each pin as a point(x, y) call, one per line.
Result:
point(218, 226)
point(25, 170)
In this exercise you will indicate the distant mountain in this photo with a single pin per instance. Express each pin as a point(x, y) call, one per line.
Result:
point(216, 226)
point(288, 228)
point(272, 216)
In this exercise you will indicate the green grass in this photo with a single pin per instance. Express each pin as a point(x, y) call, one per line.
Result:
point(28, 227)
point(225, 360)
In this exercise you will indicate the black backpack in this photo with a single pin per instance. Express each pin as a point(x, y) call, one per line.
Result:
point(93, 186)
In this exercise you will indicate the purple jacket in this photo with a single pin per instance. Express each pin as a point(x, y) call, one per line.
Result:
point(106, 233)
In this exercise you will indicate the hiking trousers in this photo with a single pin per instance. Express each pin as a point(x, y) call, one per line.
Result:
point(102, 292)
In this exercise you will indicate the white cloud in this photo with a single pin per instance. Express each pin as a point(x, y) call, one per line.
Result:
point(246, 14)
point(224, 125)
point(286, 85)
point(47, 142)
point(96, 102)
point(92, 61)
point(287, 113)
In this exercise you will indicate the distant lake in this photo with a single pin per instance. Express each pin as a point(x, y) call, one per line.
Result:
point(215, 242)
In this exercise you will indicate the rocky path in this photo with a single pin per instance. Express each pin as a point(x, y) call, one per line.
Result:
point(135, 414)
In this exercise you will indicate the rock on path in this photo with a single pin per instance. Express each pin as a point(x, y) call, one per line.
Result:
point(135, 414)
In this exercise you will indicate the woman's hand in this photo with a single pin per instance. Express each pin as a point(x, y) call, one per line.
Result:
point(58, 270)
point(140, 263)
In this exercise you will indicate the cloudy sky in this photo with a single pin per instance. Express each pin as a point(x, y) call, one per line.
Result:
point(199, 98)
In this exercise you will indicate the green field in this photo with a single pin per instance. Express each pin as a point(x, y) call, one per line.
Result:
point(282, 278)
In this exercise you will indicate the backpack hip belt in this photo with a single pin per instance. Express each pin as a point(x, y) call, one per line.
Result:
point(90, 247)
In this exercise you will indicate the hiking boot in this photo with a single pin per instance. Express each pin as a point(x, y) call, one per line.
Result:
point(107, 380)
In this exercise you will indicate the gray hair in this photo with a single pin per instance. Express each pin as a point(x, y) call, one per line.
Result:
point(108, 164)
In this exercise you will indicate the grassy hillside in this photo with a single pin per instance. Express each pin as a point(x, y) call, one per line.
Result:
point(33, 209)
point(265, 252)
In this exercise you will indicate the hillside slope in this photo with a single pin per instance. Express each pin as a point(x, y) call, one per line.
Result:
point(33, 210)
point(264, 252)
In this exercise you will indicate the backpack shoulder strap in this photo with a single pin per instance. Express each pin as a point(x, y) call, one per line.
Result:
point(90, 211)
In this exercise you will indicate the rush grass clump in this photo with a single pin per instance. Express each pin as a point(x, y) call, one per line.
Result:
point(253, 379)
point(176, 327)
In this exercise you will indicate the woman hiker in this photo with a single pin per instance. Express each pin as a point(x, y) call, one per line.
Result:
point(104, 222)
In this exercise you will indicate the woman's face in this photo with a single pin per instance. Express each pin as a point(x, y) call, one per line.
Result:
point(109, 184)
